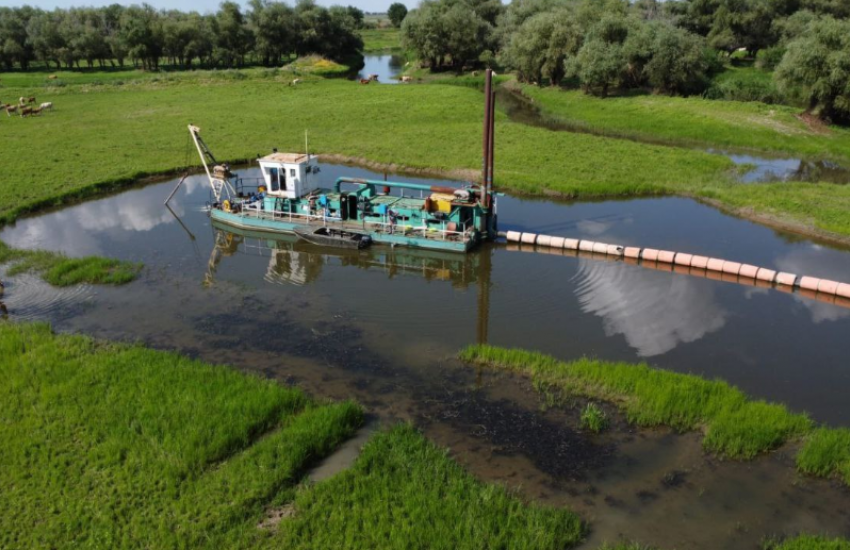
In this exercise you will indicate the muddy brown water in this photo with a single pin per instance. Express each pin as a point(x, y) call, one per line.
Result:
point(383, 326)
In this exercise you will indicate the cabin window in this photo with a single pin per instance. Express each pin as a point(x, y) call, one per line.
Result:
point(274, 179)
point(292, 172)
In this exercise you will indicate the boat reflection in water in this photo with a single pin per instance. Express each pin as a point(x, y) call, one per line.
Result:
point(293, 261)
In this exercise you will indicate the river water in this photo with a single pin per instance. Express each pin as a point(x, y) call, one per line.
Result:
point(383, 326)
point(386, 66)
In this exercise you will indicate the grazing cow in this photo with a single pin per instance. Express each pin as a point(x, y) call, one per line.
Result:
point(52, 77)
point(365, 81)
point(407, 79)
point(11, 109)
point(374, 77)
point(47, 106)
point(26, 111)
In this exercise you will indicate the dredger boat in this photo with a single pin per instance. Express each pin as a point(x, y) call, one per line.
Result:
point(290, 197)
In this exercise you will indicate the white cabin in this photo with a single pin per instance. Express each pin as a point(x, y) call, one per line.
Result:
point(289, 175)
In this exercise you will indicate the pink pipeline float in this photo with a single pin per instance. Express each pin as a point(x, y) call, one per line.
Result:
point(824, 290)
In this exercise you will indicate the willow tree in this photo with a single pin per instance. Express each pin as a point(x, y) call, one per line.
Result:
point(540, 47)
point(816, 68)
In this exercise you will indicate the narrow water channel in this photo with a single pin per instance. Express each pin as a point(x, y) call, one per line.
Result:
point(383, 326)
point(758, 168)
point(386, 66)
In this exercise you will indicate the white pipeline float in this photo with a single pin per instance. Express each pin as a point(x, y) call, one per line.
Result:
point(823, 290)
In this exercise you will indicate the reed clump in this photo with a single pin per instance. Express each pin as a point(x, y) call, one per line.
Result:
point(734, 425)
point(593, 418)
point(825, 453)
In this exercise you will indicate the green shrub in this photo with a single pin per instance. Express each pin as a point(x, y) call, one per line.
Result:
point(769, 58)
point(744, 86)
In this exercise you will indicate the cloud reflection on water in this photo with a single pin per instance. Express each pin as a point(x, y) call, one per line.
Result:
point(655, 312)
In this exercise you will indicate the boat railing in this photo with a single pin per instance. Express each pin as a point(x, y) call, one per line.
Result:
point(393, 228)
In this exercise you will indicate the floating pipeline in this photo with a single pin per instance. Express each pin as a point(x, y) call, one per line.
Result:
point(824, 290)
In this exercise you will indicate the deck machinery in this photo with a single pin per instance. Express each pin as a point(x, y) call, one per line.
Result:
point(289, 195)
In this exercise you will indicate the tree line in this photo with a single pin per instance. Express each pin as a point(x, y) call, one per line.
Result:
point(267, 32)
point(672, 47)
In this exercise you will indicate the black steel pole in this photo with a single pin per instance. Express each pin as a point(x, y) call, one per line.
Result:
point(491, 149)
point(485, 165)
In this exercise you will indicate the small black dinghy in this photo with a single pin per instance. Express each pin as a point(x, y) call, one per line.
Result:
point(327, 236)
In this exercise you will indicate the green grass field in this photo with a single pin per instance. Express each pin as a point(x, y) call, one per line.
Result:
point(695, 121)
point(435, 127)
point(734, 425)
point(63, 155)
point(405, 493)
point(114, 446)
point(381, 40)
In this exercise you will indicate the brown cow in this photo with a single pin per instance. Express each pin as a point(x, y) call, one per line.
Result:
point(365, 81)
point(26, 111)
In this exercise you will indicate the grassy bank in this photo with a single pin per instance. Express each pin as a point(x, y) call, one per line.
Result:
point(694, 121)
point(317, 65)
point(59, 270)
point(433, 127)
point(122, 447)
point(126, 447)
point(734, 425)
point(405, 493)
point(808, 542)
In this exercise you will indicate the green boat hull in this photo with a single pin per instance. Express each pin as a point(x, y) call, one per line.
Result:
point(280, 226)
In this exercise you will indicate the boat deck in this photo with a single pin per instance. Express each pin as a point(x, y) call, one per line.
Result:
point(382, 232)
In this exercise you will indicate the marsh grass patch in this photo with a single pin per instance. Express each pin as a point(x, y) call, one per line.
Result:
point(59, 270)
point(734, 426)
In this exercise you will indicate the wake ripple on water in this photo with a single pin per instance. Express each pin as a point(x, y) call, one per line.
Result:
point(28, 298)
